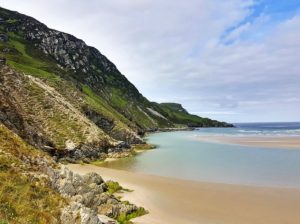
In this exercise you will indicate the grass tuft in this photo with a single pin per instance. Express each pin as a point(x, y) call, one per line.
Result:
point(113, 187)
point(125, 219)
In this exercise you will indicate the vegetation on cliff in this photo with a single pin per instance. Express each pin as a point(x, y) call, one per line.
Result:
point(25, 193)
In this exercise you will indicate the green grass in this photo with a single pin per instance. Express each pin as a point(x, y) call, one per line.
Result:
point(114, 187)
point(49, 116)
point(180, 116)
point(28, 69)
point(97, 162)
point(98, 104)
point(28, 64)
point(101, 106)
point(21, 60)
point(125, 219)
point(117, 98)
point(141, 119)
point(29, 60)
point(25, 201)
point(22, 198)
point(143, 147)
point(11, 21)
point(127, 105)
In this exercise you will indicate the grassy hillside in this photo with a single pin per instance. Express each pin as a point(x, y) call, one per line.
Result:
point(45, 113)
point(25, 195)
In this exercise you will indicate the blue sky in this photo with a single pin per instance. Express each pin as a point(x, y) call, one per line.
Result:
point(276, 11)
point(234, 60)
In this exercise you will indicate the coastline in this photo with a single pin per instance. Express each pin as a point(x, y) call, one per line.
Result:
point(260, 141)
point(180, 201)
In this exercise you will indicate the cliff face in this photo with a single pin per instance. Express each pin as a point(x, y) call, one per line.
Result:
point(58, 93)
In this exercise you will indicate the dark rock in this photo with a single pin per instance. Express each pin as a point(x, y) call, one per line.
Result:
point(105, 124)
point(3, 37)
point(2, 61)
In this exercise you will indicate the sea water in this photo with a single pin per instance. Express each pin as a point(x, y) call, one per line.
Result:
point(181, 155)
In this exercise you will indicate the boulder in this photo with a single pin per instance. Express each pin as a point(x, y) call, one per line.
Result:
point(106, 220)
point(89, 216)
point(66, 188)
point(77, 180)
point(91, 178)
point(108, 210)
point(70, 145)
point(112, 201)
point(70, 214)
point(89, 198)
point(127, 209)
point(75, 213)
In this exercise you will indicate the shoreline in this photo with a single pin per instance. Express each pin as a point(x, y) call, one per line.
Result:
point(178, 201)
point(281, 142)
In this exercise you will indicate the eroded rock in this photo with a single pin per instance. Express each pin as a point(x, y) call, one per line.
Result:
point(89, 198)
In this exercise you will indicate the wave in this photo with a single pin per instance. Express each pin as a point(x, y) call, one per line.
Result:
point(251, 132)
point(270, 131)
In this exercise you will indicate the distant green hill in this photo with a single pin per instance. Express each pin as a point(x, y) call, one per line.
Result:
point(177, 114)
point(58, 93)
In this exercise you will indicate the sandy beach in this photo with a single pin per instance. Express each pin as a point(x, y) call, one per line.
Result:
point(261, 141)
point(180, 201)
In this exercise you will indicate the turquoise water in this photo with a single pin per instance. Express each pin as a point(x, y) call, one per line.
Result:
point(180, 155)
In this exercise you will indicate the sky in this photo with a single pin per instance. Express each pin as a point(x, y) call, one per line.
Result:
point(233, 60)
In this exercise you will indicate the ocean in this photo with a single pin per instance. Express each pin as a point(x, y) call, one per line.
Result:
point(181, 155)
point(256, 129)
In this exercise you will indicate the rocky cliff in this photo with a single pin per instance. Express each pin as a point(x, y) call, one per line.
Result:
point(58, 93)
point(71, 59)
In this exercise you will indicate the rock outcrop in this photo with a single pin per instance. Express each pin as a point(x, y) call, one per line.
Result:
point(89, 198)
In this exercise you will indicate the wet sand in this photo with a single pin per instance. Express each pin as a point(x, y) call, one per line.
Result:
point(264, 141)
point(177, 201)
